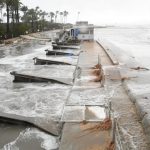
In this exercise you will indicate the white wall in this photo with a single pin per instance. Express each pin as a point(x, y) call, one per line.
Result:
point(86, 37)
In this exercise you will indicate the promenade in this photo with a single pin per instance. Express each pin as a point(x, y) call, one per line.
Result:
point(94, 110)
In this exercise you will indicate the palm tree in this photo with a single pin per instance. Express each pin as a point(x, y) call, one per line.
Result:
point(1, 9)
point(52, 16)
point(24, 9)
point(56, 14)
point(65, 13)
point(15, 5)
point(43, 14)
point(8, 4)
point(31, 18)
point(61, 17)
point(1, 20)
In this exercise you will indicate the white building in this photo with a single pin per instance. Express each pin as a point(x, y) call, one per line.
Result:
point(82, 31)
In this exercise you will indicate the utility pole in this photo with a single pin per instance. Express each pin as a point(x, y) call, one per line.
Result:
point(78, 16)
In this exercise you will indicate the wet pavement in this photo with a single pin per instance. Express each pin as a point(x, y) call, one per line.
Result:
point(86, 103)
point(81, 137)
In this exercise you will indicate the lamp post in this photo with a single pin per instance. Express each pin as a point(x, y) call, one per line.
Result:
point(78, 16)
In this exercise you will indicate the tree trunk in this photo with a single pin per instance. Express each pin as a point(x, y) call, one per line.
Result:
point(17, 15)
point(8, 28)
point(32, 26)
point(13, 21)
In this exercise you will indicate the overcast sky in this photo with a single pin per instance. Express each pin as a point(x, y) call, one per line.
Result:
point(99, 11)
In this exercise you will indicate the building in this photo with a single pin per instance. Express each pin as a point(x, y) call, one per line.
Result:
point(82, 31)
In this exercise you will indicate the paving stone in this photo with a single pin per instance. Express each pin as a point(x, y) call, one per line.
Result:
point(73, 114)
point(95, 113)
point(77, 136)
point(93, 96)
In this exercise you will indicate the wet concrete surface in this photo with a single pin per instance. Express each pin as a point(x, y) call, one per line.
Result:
point(80, 137)
point(87, 96)
point(86, 102)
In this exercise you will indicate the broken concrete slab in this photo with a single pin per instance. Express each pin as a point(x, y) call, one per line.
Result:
point(70, 60)
point(40, 61)
point(62, 53)
point(36, 104)
point(70, 42)
point(47, 125)
point(65, 47)
point(31, 78)
point(46, 74)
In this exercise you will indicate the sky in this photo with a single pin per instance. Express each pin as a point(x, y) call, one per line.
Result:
point(98, 12)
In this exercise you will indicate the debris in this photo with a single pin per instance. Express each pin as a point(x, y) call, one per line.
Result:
point(99, 73)
point(100, 77)
point(127, 78)
point(111, 146)
point(96, 72)
point(84, 122)
point(8, 42)
point(98, 66)
point(140, 68)
point(102, 126)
